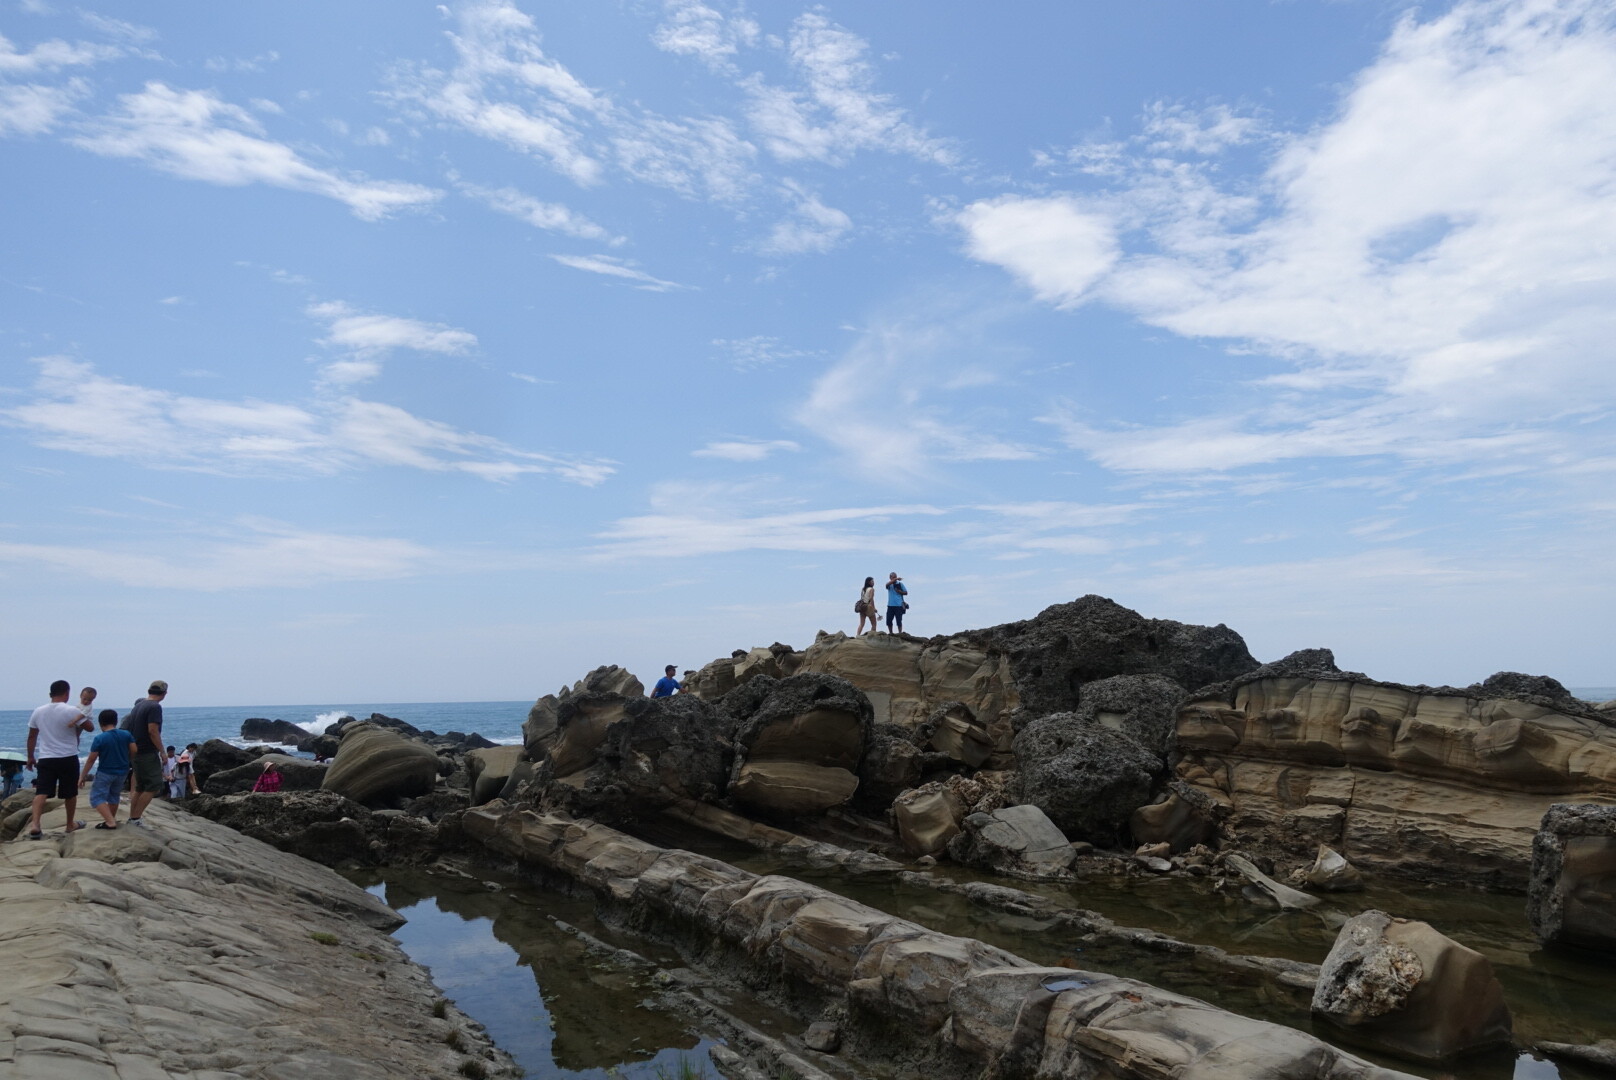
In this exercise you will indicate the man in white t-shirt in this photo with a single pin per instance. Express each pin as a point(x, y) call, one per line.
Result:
point(53, 752)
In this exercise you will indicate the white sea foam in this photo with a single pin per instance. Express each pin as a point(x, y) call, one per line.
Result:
point(322, 721)
point(507, 740)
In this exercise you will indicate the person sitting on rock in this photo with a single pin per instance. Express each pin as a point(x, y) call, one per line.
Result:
point(269, 780)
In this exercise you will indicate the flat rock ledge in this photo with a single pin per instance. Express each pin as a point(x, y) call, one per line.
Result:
point(186, 951)
point(948, 1006)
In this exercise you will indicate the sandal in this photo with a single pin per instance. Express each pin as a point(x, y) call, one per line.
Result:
point(36, 836)
point(104, 825)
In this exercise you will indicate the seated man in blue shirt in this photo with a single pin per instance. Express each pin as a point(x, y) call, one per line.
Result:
point(667, 686)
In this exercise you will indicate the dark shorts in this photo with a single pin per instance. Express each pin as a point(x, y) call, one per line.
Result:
point(58, 777)
point(149, 772)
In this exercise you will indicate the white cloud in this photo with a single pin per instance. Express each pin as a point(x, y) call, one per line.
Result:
point(618, 268)
point(33, 109)
point(52, 55)
point(366, 333)
point(261, 62)
point(1177, 128)
point(691, 28)
point(75, 409)
point(838, 111)
point(196, 135)
point(811, 227)
point(541, 215)
point(758, 351)
point(1055, 246)
point(745, 449)
point(261, 554)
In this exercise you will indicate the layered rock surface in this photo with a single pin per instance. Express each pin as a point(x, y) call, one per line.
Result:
point(188, 950)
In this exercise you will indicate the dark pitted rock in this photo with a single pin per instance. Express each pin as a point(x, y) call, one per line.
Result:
point(216, 756)
point(376, 719)
point(376, 766)
point(539, 730)
point(334, 729)
point(489, 769)
point(1537, 688)
point(1142, 707)
point(318, 825)
point(1571, 900)
point(647, 753)
point(297, 774)
point(458, 741)
point(799, 741)
point(1053, 655)
point(284, 732)
point(892, 765)
point(323, 747)
point(438, 805)
point(1019, 841)
point(1400, 986)
point(1088, 779)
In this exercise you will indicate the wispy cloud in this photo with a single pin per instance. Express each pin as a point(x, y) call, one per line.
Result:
point(758, 351)
point(53, 55)
point(77, 410)
point(196, 135)
point(745, 449)
point(691, 28)
point(552, 217)
point(811, 226)
point(368, 337)
point(618, 268)
point(33, 108)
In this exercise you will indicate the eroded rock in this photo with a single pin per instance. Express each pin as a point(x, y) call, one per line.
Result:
point(1331, 872)
point(798, 742)
point(1088, 779)
point(1020, 841)
point(377, 766)
point(1572, 896)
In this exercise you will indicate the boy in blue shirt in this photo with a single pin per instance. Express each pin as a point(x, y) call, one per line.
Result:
point(667, 686)
point(111, 749)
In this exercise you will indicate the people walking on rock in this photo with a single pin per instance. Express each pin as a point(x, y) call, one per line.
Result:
point(865, 607)
point(269, 780)
point(110, 759)
point(145, 723)
point(896, 604)
point(171, 775)
point(10, 778)
point(53, 752)
point(667, 686)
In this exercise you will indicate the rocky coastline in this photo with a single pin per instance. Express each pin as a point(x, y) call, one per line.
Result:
point(1087, 744)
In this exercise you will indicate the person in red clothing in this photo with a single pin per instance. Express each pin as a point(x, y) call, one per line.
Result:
point(269, 779)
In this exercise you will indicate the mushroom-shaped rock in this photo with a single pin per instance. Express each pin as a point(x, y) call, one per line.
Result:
point(1017, 840)
point(539, 731)
point(374, 765)
point(1088, 779)
point(799, 741)
point(1572, 896)
point(489, 770)
point(1402, 987)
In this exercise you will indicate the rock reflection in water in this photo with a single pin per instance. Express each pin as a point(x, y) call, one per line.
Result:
point(567, 1015)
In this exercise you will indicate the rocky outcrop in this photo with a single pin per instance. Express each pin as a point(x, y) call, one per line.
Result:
point(377, 766)
point(1017, 841)
point(490, 770)
point(328, 829)
point(927, 819)
point(1435, 782)
point(971, 1005)
point(1088, 779)
point(798, 742)
point(216, 756)
point(1399, 986)
point(1571, 900)
point(539, 731)
point(186, 949)
point(297, 774)
point(281, 732)
point(1331, 872)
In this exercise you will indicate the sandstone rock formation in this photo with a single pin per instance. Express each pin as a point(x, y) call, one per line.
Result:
point(1572, 897)
point(538, 732)
point(1018, 841)
point(375, 765)
point(1181, 817)
point(1440, 783)
point(1331, 872)
point(798, 742)
point(1088, 779)
point(1400, 986)
point(489, 770)
point(186, 949)
point(927, 819)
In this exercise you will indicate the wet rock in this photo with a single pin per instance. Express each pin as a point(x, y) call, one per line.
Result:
point(1331, 872)
point(1571, 900)
point(1402, 987)
point(489, 769)
point(1282, 895)
point(823, 1036)
point(1088, 779)
point(1182, 817)
point(539, 730)
point(378, 766)
point(297, 774)
point(284, 732)
point(1020, 841)
point(927, 819)
point(325, 827)
point(1154, 863)
point(798, 741)
point(1600, 1055)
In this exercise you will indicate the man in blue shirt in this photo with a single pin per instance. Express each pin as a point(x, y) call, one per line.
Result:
point(667, 686)
point(896, 605)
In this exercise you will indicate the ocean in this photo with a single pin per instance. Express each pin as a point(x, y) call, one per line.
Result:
point(499, 721)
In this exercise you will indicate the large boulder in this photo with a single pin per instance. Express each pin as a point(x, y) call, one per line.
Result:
point(1020, 841)
point(1142, 707)
point(376, 766)
point(216, 756)
point(1088, 779)
point(1400, 986)
point(284, 732)
point(1053, 656)
point(1572, 897)
point(325, 827)
point(954, 731)
point(927, 818)
point(799, 741)
point(539, 731)
point(297, 774)
point(489, 770)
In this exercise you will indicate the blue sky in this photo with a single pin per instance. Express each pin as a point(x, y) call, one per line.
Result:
point(406, 352)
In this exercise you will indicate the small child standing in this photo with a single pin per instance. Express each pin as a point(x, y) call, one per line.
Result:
point(110, 750)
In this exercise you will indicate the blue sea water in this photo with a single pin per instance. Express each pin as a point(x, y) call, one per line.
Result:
point(500, 721)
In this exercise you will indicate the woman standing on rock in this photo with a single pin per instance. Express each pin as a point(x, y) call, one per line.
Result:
point(866, 607)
